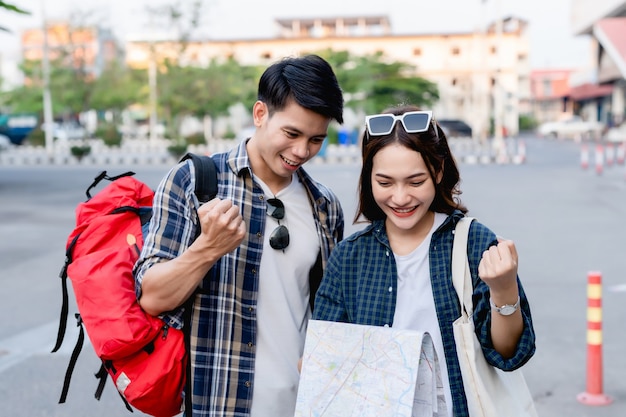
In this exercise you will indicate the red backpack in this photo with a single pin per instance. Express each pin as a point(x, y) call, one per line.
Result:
point(145, 358)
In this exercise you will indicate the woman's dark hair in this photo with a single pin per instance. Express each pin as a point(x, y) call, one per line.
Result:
point(308, 80)
point(432, 145)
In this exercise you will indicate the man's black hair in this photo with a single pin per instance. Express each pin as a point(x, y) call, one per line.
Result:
point(308, 80)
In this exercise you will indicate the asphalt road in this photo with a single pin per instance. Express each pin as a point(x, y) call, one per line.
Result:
point(566, 222)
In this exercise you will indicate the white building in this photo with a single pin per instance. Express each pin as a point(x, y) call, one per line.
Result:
point(477, 73)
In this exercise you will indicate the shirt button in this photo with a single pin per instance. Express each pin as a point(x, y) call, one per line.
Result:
point(250, 309)
point(248, 384)
point(250, 344)
point(386, 325)
point(254, 271)
point(259, 235)
point(390, 289)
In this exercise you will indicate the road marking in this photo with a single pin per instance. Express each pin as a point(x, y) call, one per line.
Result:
point(618, 288)
point(37, 341)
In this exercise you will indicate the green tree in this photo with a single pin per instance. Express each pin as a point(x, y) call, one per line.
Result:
point(12, 8)
point(118, 87)
point(372, 84)
point(209, 91)
point(23, 99)
point(70, 93)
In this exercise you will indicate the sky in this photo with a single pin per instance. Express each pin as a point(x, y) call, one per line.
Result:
point(552, 41)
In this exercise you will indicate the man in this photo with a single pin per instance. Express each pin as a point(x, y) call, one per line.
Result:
point(260, 249)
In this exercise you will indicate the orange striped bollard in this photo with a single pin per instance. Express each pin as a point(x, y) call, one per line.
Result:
point(594, 394)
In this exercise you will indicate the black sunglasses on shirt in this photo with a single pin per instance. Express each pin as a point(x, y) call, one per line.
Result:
point(279, 239)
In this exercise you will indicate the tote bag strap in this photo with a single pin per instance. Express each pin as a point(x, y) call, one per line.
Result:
point(461, 277)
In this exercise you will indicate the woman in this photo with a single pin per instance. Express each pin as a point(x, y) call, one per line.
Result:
point(397, 270)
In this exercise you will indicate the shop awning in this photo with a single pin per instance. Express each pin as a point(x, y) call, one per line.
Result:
point(589, 91)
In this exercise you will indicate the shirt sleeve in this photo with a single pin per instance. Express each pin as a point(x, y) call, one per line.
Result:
point(481, 239)
point(173, 223)
point(329, 302)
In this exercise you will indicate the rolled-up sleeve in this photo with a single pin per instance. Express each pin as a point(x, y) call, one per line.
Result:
point(172, 226)
point(526, 345)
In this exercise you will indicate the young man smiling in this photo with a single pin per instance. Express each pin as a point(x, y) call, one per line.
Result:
point(260, 250)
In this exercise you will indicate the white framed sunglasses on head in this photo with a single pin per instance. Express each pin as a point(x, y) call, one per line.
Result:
point(412, 121)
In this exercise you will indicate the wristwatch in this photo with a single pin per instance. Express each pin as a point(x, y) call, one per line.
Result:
point(507, 309)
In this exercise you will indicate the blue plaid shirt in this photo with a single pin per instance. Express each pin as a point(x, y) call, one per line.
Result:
point(223, 324)
point(360, 285)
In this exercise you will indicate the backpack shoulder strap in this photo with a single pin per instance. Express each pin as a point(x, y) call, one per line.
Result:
point(206, 176)
point(206, 189)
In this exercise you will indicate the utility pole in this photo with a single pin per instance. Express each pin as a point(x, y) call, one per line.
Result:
point(481, 78)
point(152, 81)
point(498, 141)
point(47, 98)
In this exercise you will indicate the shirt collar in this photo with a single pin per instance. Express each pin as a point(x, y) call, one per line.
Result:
point(377, 227)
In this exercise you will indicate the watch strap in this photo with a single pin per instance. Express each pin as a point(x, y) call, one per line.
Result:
point(506, 309)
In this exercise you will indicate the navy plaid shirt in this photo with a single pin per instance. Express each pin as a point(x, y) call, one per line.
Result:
point(360, 285)
point(223, 325)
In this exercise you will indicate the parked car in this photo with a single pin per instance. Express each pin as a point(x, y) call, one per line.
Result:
point(454, 128)
point(5, 142)
point(617, 134)
point(571, 128)
point(67, 131)
point(16, 127)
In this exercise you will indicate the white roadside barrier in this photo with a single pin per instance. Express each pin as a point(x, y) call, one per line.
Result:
point(144, 152)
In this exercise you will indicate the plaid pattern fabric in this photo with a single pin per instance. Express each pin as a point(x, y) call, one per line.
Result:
point(359, 286)
point(223, 331)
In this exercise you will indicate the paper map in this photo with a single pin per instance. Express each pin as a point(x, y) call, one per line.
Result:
point(368, 371)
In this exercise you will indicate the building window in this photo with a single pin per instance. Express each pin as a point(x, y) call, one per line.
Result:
point(547, 88)
point(266, 55)
point(494, 50)
point(456, 50)
point(417, 52)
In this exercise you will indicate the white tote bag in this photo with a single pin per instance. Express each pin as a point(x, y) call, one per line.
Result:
point(490, 391)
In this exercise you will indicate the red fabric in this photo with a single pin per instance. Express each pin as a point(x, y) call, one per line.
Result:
point(103, 257)
point(124, 192)
point(105, 289)
point(156, 380)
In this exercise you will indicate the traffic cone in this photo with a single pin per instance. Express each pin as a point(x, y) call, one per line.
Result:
point(610, 154)
point(521, 151)
point(584, 156)
point(620, 153)
point(594, 395)
point(599, 159)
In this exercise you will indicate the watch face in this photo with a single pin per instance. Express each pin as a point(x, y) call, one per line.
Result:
point(507, 310)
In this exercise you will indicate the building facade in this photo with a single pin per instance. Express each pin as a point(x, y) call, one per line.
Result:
point(480, 75)
point(604, 22)
point(87, 49)
point(550, 89)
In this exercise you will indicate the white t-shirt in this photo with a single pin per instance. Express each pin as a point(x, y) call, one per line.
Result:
point(415, 304)
point(283, 304)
